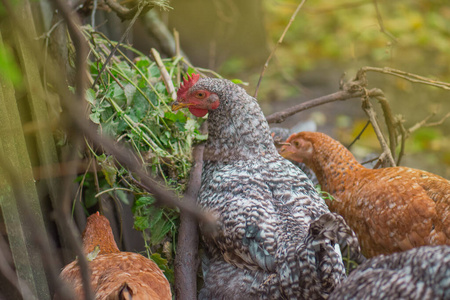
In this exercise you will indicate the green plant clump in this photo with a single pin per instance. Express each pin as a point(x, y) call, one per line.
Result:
point(130, 104)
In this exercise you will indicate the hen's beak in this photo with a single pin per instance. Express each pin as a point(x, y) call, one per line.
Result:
point(177, 105)
point(284, 152)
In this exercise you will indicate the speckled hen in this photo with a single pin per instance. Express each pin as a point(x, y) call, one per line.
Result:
point(275, 237)
point(418, 274)
point(390, 209)
point(115, 274)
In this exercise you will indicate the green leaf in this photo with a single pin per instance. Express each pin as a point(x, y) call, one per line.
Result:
point(159, 230)
point(95, 117)
point(90, 96)
point(142, 63)
point(153, 71)
point(190, 125)
point(109, 169)
point(141, 223)
point(238, 81)
point(179, 116)
point(129, 92)
point(164, 266)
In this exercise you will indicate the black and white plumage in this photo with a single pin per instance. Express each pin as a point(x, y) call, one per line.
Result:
point(417, 274)
point(275, 237)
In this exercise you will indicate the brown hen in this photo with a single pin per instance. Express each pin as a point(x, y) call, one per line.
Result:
point(390, 209)
point(115, 274)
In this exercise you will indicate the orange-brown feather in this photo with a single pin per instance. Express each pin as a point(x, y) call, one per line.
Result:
point(390, 209)
point(115, 274)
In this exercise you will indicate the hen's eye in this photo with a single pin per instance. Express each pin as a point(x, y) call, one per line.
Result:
point(296, 144)
point(200, 95)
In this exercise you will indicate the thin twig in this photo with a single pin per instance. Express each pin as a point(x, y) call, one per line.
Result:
point(408, 76)
point(164, 74)
point(176, 37)
point(359, 135)
point(276, 46)
point(380, 22)
point(125, 34)
point(425, 124)
point(80, 80)
point(94, 10)
point(404, 136)
point(405, 133)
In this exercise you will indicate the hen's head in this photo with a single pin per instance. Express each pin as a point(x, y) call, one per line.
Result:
point(98, 232)
point(198, 100)
point(299, 147)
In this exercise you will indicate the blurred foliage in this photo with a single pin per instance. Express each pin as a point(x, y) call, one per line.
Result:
point(338, 37)
point(350, 32)
point(8, 66)
point(130, 103)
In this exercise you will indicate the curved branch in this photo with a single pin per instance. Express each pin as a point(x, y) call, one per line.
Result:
point(279, 117)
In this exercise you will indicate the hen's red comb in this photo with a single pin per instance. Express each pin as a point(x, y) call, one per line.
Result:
point(186, 85)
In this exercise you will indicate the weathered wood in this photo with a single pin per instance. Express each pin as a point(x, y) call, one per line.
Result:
point(186, 260)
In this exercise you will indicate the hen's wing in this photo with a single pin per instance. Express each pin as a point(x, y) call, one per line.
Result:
point(388, 214)
point(438, 189)
point(264, 211)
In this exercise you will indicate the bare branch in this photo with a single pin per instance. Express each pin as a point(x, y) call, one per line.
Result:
point(280, 116)
point(368, 108)
point(186, 260)
point(390, 123)
point(408, 76)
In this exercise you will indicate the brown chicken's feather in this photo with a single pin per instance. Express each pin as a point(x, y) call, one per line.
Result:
point(390, 209)
point(115, 274)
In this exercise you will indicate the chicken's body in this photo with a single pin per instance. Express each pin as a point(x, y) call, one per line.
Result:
point(262, 246)
point(115, 274)
point(418, 274)
point(390, 209)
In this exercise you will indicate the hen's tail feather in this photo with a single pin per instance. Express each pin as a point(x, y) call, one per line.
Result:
point(333, 227)
point(125, 293)
point(325, 233)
